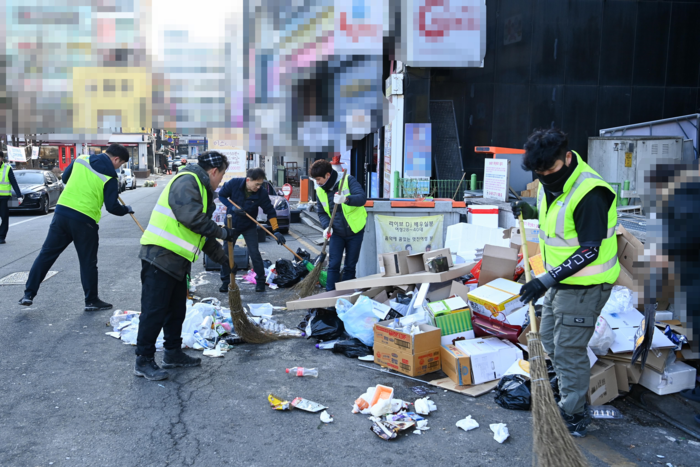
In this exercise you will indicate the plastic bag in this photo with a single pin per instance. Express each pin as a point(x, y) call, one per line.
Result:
point(513, 392)
point(359, 319)
point(323, 324)
point(194, 317)
point(287, 274)
point(305, 255)
point(603, 337)
point(352, 348)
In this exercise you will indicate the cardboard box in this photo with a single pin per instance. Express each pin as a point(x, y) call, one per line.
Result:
point(447, 306)
point(603, 386)
point(329, 299)
point(454, 323)
point(456, 364)
point(376, 280)
point(416, 261)
point(393, 264)
point(498, 297)
point(450, 339)
point(537, 265)
point(677, 377)
point(498, 262)
point(490, 357)
point(406, 343)
point(656, 359)
point(623, 383)
point(409, 364)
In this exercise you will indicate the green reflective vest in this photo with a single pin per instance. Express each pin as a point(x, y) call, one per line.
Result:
point(84, 191)
point(5, 187)
point(165, 231)
point(558, 237)
point(356, 216)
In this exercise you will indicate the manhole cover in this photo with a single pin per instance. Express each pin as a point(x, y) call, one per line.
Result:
point(20, 278)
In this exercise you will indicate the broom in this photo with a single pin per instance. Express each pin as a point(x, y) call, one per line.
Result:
point(132, 216)
point(306, 287)
point(245, 328)
point(553, 445)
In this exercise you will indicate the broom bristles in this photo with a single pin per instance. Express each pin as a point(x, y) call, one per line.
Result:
point(553, 444)
point(245, 328)
point(306, 286)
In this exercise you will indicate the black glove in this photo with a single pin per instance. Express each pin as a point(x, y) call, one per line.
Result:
point(231, 235)
point(238, 211)
point(532, 290)
point(131, 211)
point(280, 238)
point(521, 207)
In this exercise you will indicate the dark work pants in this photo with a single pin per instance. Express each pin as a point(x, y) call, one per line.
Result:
point(4, 216)
point(62, 231)
point(337, 244)
point(163, 306)
point(251, 241)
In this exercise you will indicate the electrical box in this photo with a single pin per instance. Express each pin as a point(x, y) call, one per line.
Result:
point(618, 159)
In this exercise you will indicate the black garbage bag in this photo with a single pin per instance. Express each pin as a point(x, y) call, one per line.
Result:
point(513, 392)
point(323, 324)
point(305, 255)
point(287, 274)
point(352, 348)
point(553, 380)
point(299, 268)
point(267, 263)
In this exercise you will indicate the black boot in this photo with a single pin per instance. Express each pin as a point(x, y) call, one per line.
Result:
point(577, 424)
point(177, 358)
point(27, 300)
point(260, 287)
point(98, 305)
point(147, 367)
point(224, 287)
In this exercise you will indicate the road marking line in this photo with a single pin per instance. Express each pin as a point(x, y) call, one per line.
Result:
point(32, 219)
point(600, 450)
point(308, 246)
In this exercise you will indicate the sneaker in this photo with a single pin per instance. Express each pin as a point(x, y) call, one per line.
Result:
point(27, 300)
point(98, 305)
point(259, 287)
point(2, 240)
point(177, 358)
point(147, 367)
point(224, 287)
point(577, 424)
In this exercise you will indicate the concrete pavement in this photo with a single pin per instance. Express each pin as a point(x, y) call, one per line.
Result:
point(68, 396)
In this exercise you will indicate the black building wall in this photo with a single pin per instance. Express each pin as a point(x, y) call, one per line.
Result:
point(580, 65)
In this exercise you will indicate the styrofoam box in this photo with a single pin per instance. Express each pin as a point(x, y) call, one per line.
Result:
point(468, 238)
point(677, 377)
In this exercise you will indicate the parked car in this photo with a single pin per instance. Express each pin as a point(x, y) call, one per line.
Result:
point(40, 189)
point(284, 212)
point(130, 179)
point(121, 180)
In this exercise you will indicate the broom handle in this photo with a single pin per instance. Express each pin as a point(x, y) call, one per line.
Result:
point(268, 232)
point(335, 209)
point(132, 216)
point(528, 276)
point(231, 264)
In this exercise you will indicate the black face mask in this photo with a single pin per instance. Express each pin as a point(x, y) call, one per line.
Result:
point(554, 182)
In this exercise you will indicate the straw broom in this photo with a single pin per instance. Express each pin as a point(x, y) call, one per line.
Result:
point(245, 328)
point(306, 287)
point(552, 444)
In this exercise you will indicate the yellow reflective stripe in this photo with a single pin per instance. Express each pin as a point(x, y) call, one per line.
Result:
point(172, 238)
point(86, 163)
point(592, 270)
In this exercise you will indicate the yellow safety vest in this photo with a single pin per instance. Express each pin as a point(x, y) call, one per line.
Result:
point(5, 187)
point(558, 237)
point(84, 191)
point(166, 231)
point(356, 216)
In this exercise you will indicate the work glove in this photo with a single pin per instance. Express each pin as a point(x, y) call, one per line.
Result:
point(280, 238)
point(521, 207)
point(339, 199)
point(238, 211)
point(231, 235)
point(129, 209)
point(532, 291)
point(20, 200)
point(327, 233)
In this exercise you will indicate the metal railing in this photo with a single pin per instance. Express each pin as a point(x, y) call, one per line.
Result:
point(418, 188)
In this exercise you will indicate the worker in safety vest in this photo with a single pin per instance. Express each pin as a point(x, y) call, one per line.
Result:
point(7, 184)
point(180, 228)
point(90, 181)
point(348, 227)
point(577, 215)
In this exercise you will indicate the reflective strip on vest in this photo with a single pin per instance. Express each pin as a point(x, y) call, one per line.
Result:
point(172, 238)
point(86, 163)
point(591, 270)
point(165, 211)
point(5, 186)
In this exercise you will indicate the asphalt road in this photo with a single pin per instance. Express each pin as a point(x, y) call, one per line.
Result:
point(68, 396)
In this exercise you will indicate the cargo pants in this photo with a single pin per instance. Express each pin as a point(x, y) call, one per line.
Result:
point(568, 322)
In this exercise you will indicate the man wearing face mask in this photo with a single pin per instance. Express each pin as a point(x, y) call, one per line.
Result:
point(577, 215)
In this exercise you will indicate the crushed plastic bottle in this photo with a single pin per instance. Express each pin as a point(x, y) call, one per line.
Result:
point(328, 345)
point(299, 371)
point(201, 340)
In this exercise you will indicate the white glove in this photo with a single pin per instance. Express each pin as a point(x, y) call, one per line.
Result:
point(339, 199)
point(327, 233)
point(19, 200)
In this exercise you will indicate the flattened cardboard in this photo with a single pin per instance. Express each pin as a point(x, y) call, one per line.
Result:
point(409, 364)
point(623, 384)
point(376, 280)
point(406, 343)
point(393, 264)
point(656, 359)
point(329, 299)
point(498, 262)
point(603, 384)
point(473, 391)
point(628, 248)
point(456, 364)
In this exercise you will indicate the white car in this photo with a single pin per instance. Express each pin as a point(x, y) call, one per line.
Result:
point(129, 179)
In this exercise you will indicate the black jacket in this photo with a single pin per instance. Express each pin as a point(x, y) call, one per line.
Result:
point(235, 190)
point(186, 202)
point(357, 198)
point(103, 164)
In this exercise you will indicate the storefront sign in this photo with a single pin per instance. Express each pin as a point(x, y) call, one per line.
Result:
point(415, 234)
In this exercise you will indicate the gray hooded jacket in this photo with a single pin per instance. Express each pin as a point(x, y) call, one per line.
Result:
point(186, 201)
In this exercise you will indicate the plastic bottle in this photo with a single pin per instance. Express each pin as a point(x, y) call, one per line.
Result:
point(201, 340)
point(328, 345)
point(299, 371)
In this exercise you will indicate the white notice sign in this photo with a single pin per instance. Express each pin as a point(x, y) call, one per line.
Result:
point(496, 175)
point(35, 152)
point(16, 154)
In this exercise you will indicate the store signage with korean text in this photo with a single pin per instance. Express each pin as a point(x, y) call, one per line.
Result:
point(496, 178)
